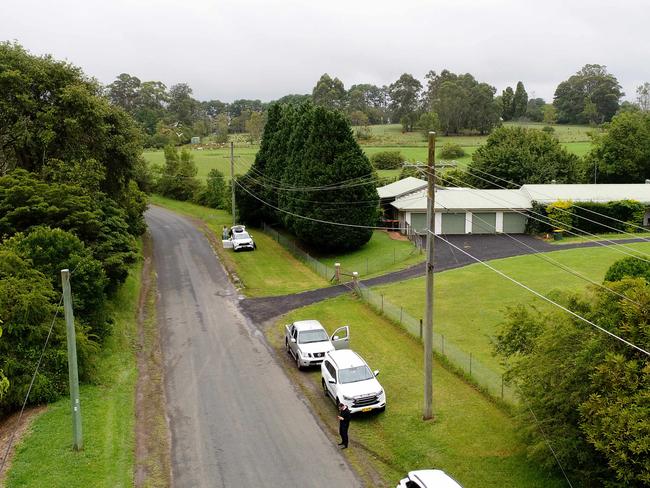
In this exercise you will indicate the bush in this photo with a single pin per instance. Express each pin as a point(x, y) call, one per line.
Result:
point(364, 133)
point(622, 215)
point(387, 160)
point(560, 215)
point(449, 150)
point(548, 129)
point(629, 267)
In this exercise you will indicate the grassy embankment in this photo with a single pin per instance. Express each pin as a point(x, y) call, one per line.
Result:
point(614, 236)
point(471, 438)
point(272, 270)
point(470, 301)
point(45, 458)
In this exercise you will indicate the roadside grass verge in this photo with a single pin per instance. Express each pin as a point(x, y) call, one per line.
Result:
point(45, 456)
point(269, 270)
point(380, 255)
point(470, 301)
point(471, 438)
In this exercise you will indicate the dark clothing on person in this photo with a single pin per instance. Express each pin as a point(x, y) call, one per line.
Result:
point(344, 425)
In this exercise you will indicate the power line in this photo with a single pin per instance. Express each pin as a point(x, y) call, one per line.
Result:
point(31, 384)
point(549, 259)
point(616, 246)
point(577, 206)
point(538, 294)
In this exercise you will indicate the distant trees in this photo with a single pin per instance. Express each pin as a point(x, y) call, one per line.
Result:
point(621, 154)
point(643, 96)
point(303, 149)
point(405, 100)
point(522, 156)
point(514, 103)
point(462, 103)
point(535, 110)
point(329, 93)
point(592, 95)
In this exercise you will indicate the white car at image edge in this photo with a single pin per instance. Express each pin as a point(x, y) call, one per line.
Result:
point(428, 478)
point(346, 378)
point(241, 239)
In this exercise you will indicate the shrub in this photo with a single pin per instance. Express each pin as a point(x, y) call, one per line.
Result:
point(449, 150)
point(631, 267)
point(548, 129)
point(364, 133)
point(560, 214)
point(387, 160)
point(622, 215)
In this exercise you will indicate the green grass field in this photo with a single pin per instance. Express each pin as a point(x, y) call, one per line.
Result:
point(569, 239)
point(45, 457)
point(270, 270)
point(469, 302)
point(470, 438)
point(390, 137)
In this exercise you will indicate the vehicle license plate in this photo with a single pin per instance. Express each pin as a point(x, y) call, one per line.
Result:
point(366, 410)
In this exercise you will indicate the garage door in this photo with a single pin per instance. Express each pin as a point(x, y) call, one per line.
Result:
point(419, 222)
point(514, 223)
point(453, 223)
point(484, 223)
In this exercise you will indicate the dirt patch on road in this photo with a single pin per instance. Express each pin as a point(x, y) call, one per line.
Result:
point(152, 438)
point(11, 432)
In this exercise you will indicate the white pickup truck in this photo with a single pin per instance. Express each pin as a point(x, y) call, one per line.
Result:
point(307, 341)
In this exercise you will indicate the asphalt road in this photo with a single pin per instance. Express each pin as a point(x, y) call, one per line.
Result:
point(235, 418)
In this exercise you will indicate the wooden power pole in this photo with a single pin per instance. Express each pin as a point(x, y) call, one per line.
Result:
point(428, 325)
point(232, 181)
point(73, 374)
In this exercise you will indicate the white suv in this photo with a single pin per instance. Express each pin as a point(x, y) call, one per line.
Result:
point(346, 378)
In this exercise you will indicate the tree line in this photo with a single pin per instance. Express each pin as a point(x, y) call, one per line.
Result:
point(70, 197)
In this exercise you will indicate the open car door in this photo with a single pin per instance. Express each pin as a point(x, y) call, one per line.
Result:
point(341, 337)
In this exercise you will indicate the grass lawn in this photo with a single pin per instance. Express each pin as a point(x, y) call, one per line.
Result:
point(614, 236)
point(45, 456)
point(270, 270)
point(379, 255)
point(471, 438)
point(469, 302)
point(212, 158)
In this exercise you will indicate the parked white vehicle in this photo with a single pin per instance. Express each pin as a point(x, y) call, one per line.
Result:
point(307, 341)
point(346, 378)
point(241, 239)
point(428, 478)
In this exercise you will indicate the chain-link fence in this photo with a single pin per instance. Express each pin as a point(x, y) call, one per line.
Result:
point(484, 377)
point(466, 363)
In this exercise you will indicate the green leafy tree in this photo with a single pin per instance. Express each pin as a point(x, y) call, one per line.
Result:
point(358, 118)
point(50, 110)
point(428, 122)
point(535, 109)
point(622, 153)
point(255, 126)
point(507, 99)
point(522, 156)
point(643, 96)
point(587, 390)
point(178, 180)
point(630, 267)
point(214, 195)
point(124, 92)
point(549, 114)
point(519, 101)
point(329, 93)
point(592, 84)
point(4, 382)
point(405, 96)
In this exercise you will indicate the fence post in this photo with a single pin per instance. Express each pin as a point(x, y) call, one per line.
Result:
point(382, 303)
point(401, 311)
point(337, 272)
point(420, 329)
point(470, 364)
point(355, 280)
point(278, 236)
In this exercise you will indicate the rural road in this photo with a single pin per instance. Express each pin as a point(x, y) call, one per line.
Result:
point(235, 418)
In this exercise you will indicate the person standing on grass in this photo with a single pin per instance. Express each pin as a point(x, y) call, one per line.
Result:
point(344, 424)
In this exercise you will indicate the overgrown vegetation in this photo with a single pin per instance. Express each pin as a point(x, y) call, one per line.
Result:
point(387, 160)
point(588, 390)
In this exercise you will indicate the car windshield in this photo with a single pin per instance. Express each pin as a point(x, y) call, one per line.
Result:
point(352, 375)
point(316, 335)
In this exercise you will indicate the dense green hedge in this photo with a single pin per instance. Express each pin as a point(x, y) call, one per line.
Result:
point(588, 217)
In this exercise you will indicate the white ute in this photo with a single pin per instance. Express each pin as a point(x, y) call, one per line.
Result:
point(428, 478)
point(307, 341)
point(346, 378)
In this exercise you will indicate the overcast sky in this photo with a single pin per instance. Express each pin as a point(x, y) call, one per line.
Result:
point(230, 49)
